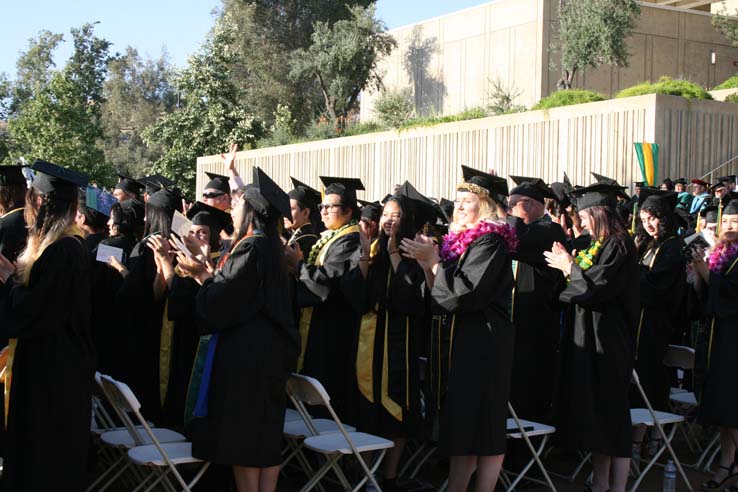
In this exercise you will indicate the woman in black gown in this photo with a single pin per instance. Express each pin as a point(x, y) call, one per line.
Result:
point(598, 345)
point(663, 287)
point(246, 305)
point(719, 398)
point(472, 281)
point(389, 289)
point(45, 312)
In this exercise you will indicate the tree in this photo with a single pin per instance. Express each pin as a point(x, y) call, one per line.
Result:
point(34, 67)
point(268, 32)
point(136, 93)
point(58, 116)
point(593, 33)
point(343, 59)
point(209, 116)
point(727, 26)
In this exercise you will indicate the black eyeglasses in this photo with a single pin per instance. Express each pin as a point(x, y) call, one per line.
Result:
point(213, 194)
point(328, 207)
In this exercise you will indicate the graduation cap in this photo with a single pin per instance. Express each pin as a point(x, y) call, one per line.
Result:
point(680, 181)
point(371, 210)
point(155, 182)
point(717, 186)
point(640, 184)
point(700, 182)
point(344, 187)
point(134, 208)
point(129, 185)
point(495, 186)
point(266, 197)
point(727, 179)
point(656, 198)
point(99, 200)
point(446, 208)
point(170, 200)
point(307, 196)
point(596, 195)
point(609, 181)
point(218, 182)
point(422, 209)
point(64, 183)
point(386, 197)
point(12, 176)
point(711, 214)
point(533, 188)
point(216, 219)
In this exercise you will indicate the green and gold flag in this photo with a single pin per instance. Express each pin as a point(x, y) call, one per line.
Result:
point(648, 159)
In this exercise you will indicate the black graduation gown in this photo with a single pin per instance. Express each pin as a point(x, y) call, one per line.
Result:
point(142, 317)
point(183, 348)
point(663, 285)
point(13, 234)
point(255, 354)
point(387, 353)
point(537, 319)
point(52, 374)
point(109, 320)
point(476, 290)
point(597, 349)
point(92, 240)
point(719, 399)
point(329, 342)
point(306, 236)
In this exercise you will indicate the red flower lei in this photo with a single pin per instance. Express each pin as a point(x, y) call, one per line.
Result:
point(456, 243)
point(721, 257)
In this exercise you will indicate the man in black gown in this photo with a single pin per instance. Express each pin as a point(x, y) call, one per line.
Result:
point(536, 312)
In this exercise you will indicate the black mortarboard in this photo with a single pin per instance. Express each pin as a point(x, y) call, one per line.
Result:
point(386, 197)
point(371, 210)
point(216, 219)
point(129, 185)
point(561, 190)
point(422, 209)
point(344, 187)
point(717, 186)
point(727, 179)
point(596, 195)
point(710, 214)
point(65, 183)
point(155, 182)
point(681, 181)
point(495, 185)
point(609, 181)
point(533, 188)
point(266, 197)
point(307, 196)
point(218, 182)
point(639, 184)
point(99, 200)
point(167, 199)
point(731, 208)
point(12, 176)
point(447, 210)
point(656, 198)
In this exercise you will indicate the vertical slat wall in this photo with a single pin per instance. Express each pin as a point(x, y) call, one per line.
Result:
point(695, 137)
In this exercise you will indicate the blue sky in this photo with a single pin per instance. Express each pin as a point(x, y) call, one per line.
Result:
point(150, 25)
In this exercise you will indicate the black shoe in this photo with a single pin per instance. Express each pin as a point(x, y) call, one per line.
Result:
point(715, 486)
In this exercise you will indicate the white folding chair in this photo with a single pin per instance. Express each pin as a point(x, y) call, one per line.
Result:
point(333, 446)
point(651, 418)
point(119, 440)
point(525, 429)
point(157, 455)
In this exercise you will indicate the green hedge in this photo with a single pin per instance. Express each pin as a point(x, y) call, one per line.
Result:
point(567, 97)
point(733, 98)
point(731, 83)
point(667, 85)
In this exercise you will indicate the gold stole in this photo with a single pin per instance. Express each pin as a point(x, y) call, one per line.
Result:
point(306, 314)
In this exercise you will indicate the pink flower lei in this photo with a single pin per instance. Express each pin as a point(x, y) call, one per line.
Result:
point(721, 257)
point(456, 243)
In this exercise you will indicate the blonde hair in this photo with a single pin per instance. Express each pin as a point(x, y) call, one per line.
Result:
point(488, 211)
point(52, 222)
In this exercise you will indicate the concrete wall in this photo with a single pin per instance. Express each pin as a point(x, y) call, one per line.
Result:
point(695, 136)
point(450, 61)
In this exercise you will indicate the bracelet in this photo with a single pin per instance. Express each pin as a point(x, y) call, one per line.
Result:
point(393, 251)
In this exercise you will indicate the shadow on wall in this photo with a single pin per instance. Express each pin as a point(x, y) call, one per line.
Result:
point(429, 91)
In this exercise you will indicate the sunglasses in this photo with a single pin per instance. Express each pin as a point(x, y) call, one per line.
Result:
point(213, 194)
point(328, 207)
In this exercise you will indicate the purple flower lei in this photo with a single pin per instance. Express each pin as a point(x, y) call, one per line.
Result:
point(456, 243)
point(721, 257)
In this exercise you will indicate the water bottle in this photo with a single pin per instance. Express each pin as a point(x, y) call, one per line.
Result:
point(669, 477)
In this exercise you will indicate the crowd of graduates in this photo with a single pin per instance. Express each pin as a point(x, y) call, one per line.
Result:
point(421, 317)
